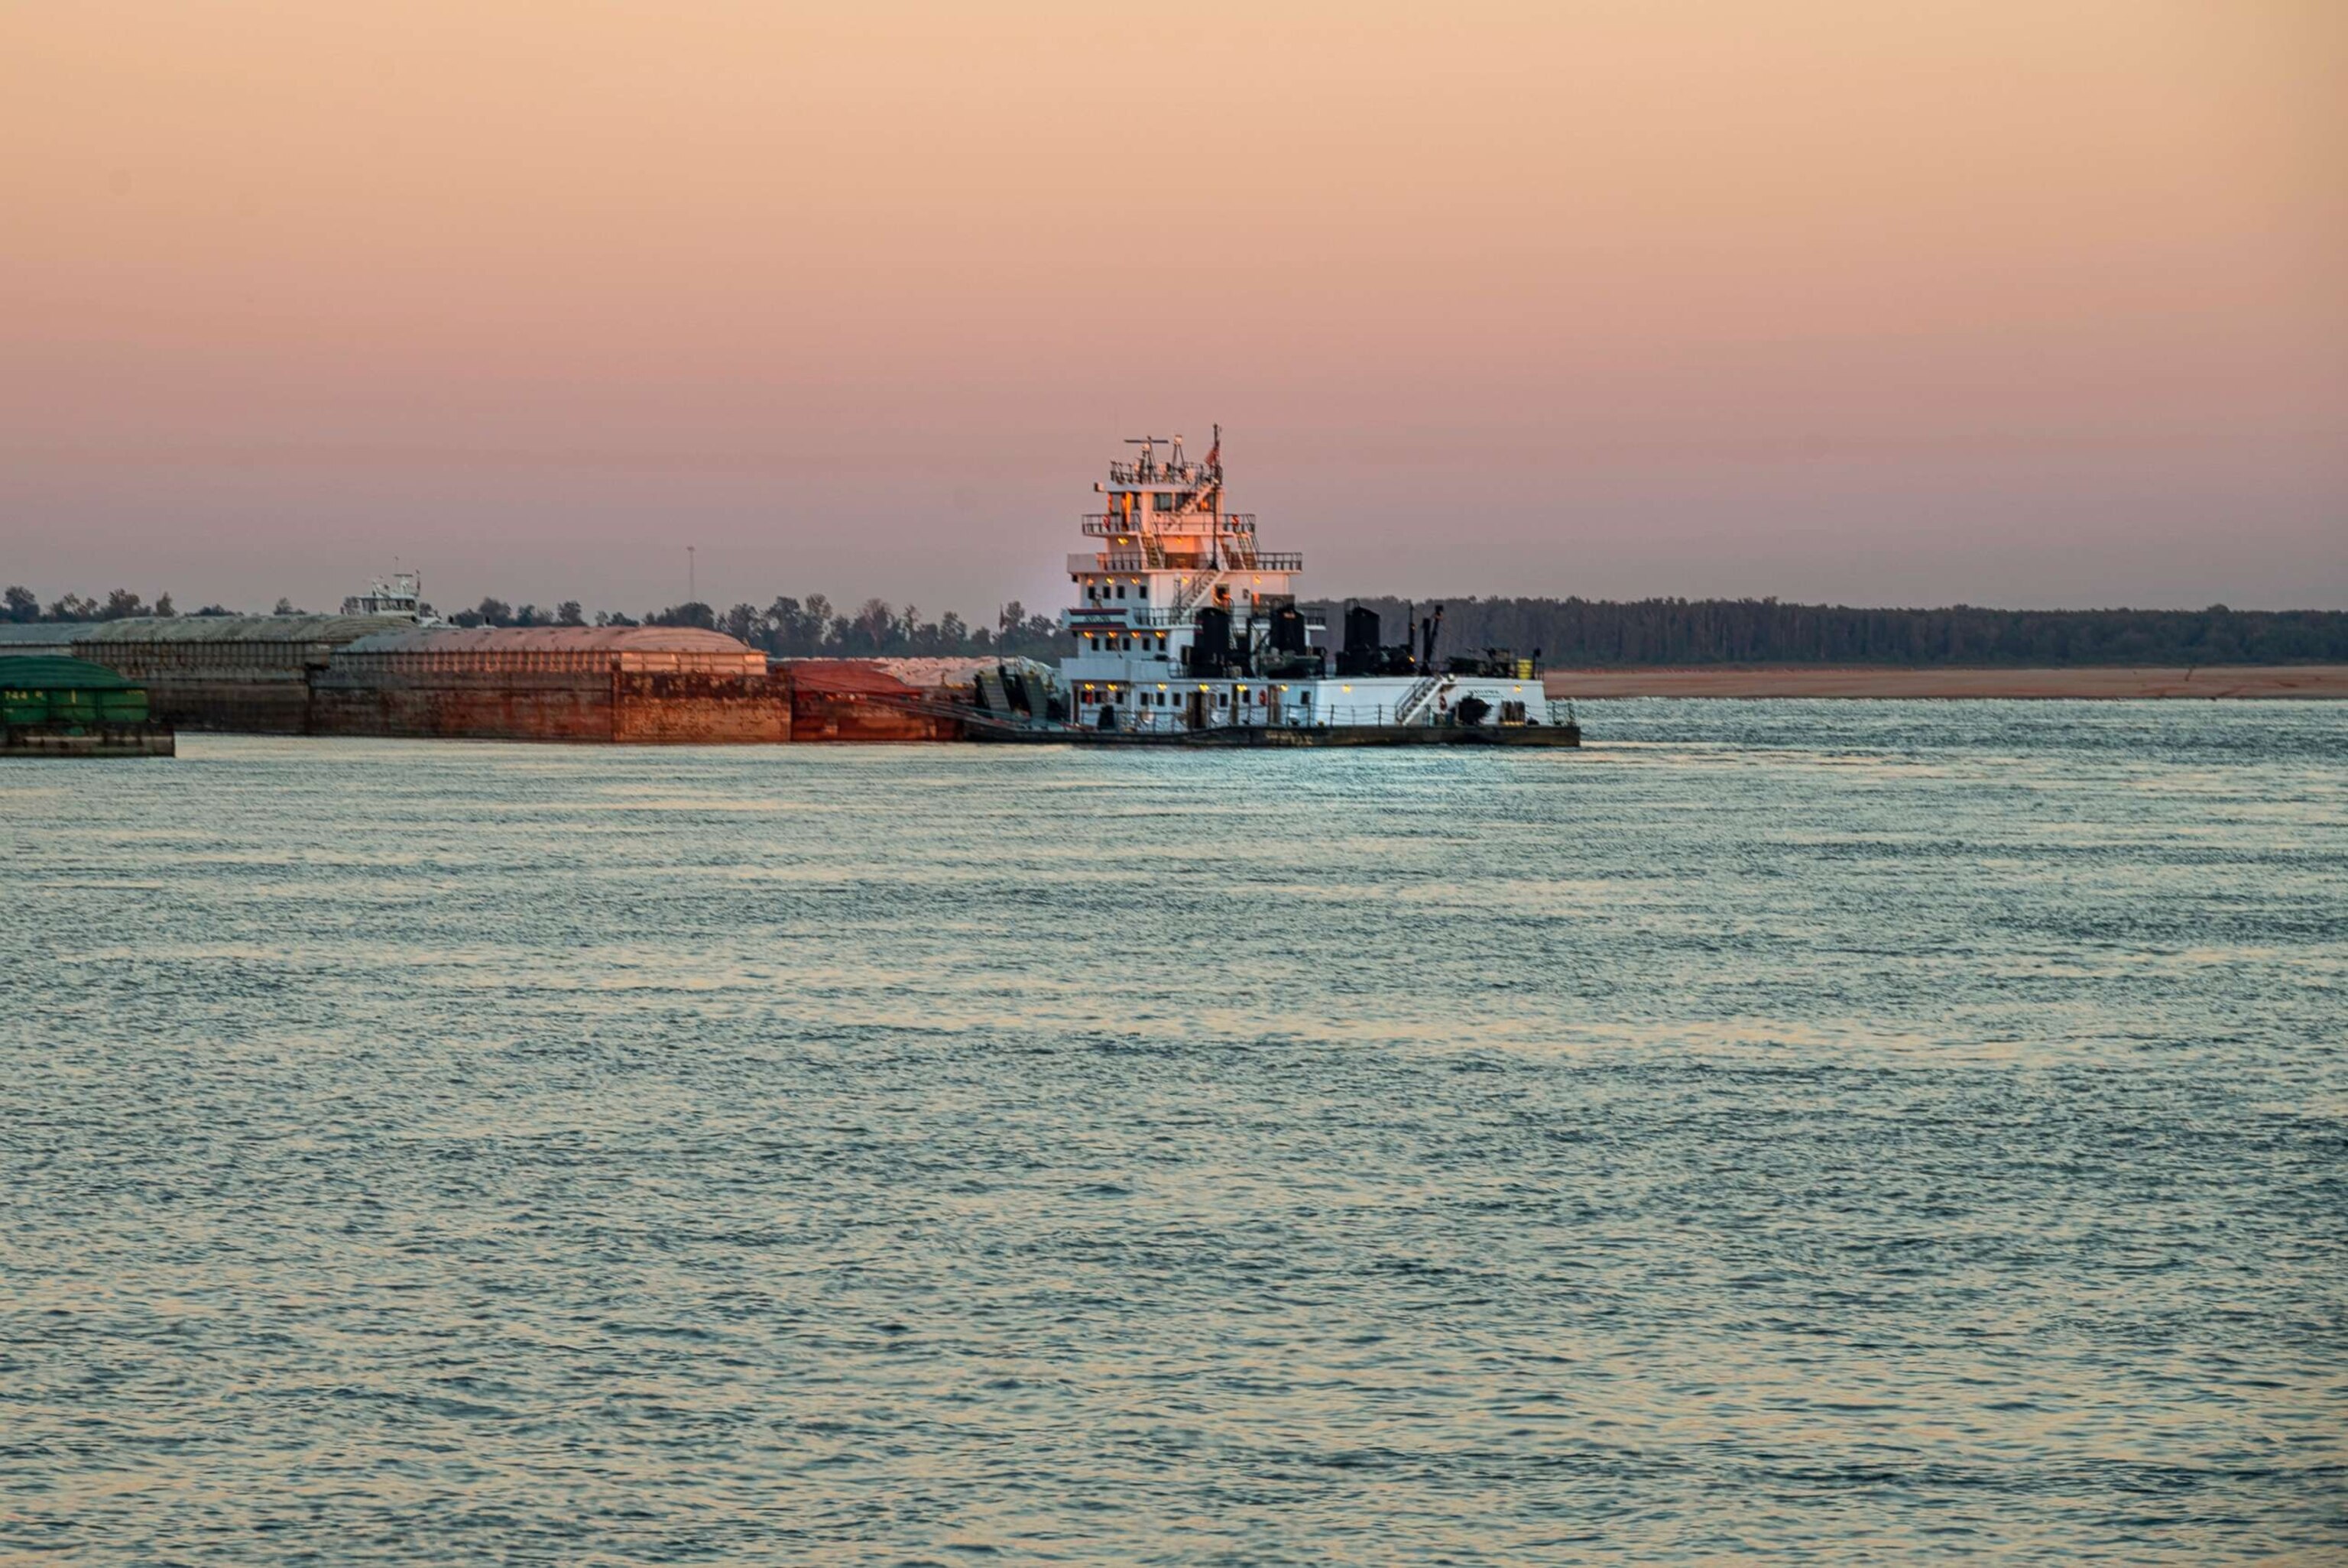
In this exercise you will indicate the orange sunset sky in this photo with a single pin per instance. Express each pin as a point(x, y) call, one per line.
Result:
point(2014, 303)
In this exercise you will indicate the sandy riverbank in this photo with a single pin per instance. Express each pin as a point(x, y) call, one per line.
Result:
point(1862, 681)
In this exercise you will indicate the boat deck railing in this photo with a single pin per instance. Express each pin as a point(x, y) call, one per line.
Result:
point(1110, 560)
point(1137, 619)
point(1297, 715)
point(1287, 716)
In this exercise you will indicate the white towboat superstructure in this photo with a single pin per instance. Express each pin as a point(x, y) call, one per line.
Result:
point(1185, 625)
point(400, 594)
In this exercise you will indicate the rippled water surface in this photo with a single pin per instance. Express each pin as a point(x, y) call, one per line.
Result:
point(1877, 1131)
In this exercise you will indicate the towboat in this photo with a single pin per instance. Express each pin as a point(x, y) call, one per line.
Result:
point(1184, 629)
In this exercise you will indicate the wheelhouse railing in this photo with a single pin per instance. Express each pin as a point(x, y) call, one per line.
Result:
point(1115, 524)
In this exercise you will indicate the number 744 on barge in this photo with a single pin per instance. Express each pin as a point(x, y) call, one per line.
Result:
point(1187, 631)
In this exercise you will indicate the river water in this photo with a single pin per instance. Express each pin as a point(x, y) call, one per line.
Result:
point(1876, 1130)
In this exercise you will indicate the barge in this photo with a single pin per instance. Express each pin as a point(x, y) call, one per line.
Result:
point(57, 707)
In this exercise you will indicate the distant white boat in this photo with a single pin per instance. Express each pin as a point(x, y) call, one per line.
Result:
point(400, 594)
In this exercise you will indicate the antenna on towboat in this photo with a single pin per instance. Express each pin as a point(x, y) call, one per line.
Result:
point(1148, 443)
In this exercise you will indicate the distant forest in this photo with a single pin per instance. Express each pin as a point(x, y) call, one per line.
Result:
point(1584, 631)
point(1567, 632)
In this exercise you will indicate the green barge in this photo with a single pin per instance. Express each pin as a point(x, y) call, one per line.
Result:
point(53, 707)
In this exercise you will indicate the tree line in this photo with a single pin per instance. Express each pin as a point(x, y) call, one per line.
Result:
point(1651, 632)
point(19, 603)
point(1566, 632)
point(809, 628)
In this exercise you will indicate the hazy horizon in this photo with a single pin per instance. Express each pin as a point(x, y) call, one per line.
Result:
point(2025, 307)
point(640, 605)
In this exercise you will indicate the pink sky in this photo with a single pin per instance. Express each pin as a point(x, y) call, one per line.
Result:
point(2026, 303)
